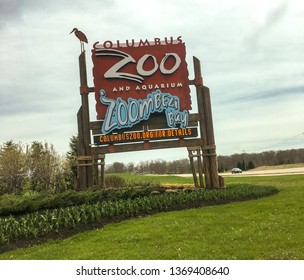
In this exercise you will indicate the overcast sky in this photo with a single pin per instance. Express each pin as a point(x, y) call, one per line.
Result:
point(252, 55)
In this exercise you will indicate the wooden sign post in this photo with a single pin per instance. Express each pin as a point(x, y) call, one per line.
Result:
point(84, 159)
point(206, 128)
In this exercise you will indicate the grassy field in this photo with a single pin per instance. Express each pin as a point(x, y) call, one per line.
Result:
point(282, 166)
point(157, 179)
point(267, 228)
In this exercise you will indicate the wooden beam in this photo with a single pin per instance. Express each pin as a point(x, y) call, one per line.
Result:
point(211, 153)
point(142, 146)
point(200, 106)
point(85, 126)
point(139, 136)
point(206, 129)
point(82, 172)
point(155, 122)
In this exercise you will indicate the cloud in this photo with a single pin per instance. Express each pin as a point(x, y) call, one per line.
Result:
point(290, 92)
point(276, 14)
point(10, 9)
point(39, 81)
point(272, 19)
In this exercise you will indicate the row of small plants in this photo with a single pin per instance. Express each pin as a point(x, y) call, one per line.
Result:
point(39, 223)
point(19, 205)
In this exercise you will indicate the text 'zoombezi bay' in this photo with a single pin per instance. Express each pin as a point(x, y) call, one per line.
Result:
point(124, 114)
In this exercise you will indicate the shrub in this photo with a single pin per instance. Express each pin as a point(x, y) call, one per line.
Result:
point(115, 182)
point(18, 205)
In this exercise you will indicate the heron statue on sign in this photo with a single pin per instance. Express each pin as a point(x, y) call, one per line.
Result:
point(81, 36)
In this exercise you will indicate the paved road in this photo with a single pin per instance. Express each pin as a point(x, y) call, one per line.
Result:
point(272, 172)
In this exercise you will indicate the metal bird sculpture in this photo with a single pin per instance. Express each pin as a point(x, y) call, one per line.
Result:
point(81, 36)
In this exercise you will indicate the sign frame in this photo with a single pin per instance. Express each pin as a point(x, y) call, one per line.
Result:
point(91, 156)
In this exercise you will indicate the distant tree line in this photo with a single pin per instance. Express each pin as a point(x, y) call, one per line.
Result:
point(244, 161)
point(159, 166)
point(39, 168)
point(247, 161)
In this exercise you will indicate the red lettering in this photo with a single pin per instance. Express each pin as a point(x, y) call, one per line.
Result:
point(171, 41)
point(127, 43)
point(157, 41)
point(107, 44)
point(143, 43)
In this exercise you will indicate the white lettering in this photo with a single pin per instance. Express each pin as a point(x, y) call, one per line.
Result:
point(174, 68)
point(122, 116)
point(141, 62)
point(113, 72)
point(108, 125)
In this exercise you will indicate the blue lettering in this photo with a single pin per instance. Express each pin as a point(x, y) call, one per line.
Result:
point(122, 114)
point(175, 117)
point(109, 123)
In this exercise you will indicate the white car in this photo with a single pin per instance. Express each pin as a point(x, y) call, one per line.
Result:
point(236, 170)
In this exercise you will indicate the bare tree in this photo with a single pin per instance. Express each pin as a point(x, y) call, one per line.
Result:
point(116, 167)
point(13, 167)
point(45, 167)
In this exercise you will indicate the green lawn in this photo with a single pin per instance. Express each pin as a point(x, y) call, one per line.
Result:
point(165, 179)
point(281, 166)
point(267, 228)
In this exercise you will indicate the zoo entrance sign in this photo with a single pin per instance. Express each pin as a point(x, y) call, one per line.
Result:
point(142, 102)
point(134, 81)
